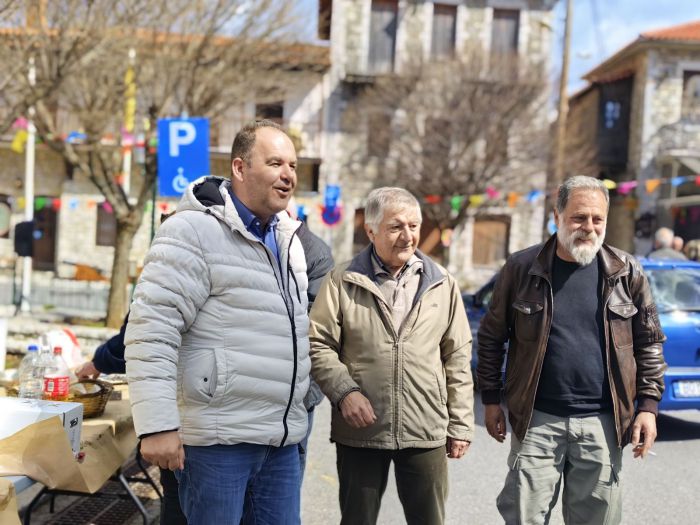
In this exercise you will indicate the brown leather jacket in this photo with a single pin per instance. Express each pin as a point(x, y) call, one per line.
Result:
point(520, 313)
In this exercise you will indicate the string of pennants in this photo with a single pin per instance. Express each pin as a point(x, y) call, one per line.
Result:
point(457, 201)
point(624, 188)
point(128, 140)
point(56, 204)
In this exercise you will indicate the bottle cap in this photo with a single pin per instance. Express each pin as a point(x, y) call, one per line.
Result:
point(32, 348)
point(57, 350)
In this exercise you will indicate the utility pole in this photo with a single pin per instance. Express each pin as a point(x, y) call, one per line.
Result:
point(29, 162)
point(556, 172)
point(563, 108)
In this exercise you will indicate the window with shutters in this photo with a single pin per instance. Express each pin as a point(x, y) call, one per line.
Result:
point(504, 31)
point(273, 112)
point(308, 174)
point(382, 36)
point(444, 31)
point(691, 95)
point(490, 243)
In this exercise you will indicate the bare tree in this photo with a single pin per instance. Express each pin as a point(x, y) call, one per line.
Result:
point(453, 128)
point(195, 57)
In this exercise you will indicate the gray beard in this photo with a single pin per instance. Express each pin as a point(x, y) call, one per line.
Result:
point(583, 254)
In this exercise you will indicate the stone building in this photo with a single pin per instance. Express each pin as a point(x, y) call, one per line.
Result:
point(371, 38)
point(638, 121)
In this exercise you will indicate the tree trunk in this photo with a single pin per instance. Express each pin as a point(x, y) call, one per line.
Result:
point(117, 303)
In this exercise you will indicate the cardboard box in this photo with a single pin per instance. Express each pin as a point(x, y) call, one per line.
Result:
point(19, 413)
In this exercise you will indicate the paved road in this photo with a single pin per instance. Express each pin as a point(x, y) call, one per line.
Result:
point(659, 490)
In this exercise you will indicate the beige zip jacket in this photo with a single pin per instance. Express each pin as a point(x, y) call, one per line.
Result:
point(418, 381)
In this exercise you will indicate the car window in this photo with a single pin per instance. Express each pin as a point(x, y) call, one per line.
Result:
point(675, 288)
point(483, 296)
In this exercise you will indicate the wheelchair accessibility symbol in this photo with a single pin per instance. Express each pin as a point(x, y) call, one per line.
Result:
point(180, 182)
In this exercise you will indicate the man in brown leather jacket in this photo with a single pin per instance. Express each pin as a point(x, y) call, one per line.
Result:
point(584, 370)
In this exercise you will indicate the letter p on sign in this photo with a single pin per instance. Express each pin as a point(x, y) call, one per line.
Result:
point(182, 133)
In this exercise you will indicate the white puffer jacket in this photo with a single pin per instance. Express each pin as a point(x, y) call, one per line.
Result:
point(218, 331)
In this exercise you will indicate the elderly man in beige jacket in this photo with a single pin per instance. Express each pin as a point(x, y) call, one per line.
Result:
point(391, 348)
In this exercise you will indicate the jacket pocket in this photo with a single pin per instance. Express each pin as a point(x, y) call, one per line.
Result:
point(528, 320)
point(200, 372)
point(621, 324)
point(442, 387)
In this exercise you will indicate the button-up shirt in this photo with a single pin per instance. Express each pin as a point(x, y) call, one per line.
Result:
point(400, 291)
point(255, 226)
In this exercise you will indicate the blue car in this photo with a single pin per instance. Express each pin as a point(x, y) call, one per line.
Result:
point(675, 286)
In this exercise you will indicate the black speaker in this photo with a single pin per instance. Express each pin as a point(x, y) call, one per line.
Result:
point(24, 238)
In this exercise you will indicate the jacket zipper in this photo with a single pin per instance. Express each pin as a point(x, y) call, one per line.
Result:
point(608, 335)
point(290, 314)
point(384, 308)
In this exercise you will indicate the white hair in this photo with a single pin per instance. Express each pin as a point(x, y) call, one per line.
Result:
point(381, 199)
point(663, 237)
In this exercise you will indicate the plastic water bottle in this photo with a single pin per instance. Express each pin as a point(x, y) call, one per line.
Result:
point(31, 377)
point(57, 377)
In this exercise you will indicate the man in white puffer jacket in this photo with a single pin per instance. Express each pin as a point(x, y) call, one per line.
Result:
point(217, 340)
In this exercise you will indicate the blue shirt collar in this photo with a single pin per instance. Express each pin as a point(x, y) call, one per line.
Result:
point(251, 222)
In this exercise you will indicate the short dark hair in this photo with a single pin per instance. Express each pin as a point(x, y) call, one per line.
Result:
point(245, 139)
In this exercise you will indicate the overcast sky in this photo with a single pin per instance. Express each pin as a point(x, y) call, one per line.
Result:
point(618, 23)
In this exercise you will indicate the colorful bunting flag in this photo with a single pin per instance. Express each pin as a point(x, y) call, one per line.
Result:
point(492, 193)
point(624, 188)
point(652, 184)
point(19, 140)
point(677, 181)
point(476, 200)
point(610, 184)
point(456, 203)
point(513, 198)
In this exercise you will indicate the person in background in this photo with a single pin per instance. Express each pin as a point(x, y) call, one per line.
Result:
point(584, 370)
point(677, 244)
point(692, 250)
point(391, 348)
point(109, 359)
point(663, 246)
point(319, 261)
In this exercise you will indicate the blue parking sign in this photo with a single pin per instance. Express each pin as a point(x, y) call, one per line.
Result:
point(183, 153)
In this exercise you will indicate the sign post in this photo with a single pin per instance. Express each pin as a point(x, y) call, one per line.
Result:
point(183, 153)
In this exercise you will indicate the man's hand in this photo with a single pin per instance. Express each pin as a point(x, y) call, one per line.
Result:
point(495, 421)
point(643, 433)
point(357, 410)
point(87, 371)
point(456, 448)
point(164, 449)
